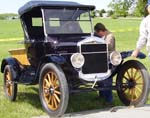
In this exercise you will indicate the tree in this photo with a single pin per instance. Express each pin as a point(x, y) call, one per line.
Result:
point(110, 12)
point(139, 10)
point(92, 14)
point(121, 7)
point(101, 12)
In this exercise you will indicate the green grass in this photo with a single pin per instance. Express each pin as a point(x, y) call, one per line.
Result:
point(10, 29)
point(28, 103)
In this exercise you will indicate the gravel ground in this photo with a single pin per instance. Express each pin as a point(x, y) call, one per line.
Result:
point(115, 112)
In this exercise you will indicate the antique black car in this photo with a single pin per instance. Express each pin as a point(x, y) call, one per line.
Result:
point(63, 57)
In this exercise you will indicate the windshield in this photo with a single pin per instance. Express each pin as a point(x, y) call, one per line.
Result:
point(64, 21)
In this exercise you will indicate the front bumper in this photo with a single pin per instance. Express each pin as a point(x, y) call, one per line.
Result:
point(92, 77)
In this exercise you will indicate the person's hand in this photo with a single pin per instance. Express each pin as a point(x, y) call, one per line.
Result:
point(135, 53)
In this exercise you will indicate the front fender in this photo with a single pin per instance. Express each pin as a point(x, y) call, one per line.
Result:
point(54, 59)
point(126, 54)
point(9, 61)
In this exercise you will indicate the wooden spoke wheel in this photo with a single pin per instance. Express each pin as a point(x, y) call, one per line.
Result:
point(53, 90)
point(10, 87)
point(133, 83)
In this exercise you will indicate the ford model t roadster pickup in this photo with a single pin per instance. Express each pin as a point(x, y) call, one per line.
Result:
point(63, 57)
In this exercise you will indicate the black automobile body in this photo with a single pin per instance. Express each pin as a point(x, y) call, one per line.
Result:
point(61, 55)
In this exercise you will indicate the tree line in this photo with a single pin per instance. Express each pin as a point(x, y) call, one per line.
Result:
point(126, 7)
point(119, 8)
point(123, 8)
point(8, 16)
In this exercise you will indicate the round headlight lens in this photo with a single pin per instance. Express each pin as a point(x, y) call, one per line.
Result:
point(115, 58)
point(77, 60)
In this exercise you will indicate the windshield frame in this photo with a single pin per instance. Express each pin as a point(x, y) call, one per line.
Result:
point(77, 12)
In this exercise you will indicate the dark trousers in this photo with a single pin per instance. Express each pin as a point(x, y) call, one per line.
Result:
point(106, 94)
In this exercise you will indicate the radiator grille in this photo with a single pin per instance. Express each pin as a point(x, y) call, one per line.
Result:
point(95, 62)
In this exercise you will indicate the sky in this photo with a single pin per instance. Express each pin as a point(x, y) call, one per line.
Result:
point(12, 6)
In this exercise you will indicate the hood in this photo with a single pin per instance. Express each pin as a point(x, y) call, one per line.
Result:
point(72, 47)
point(92, 39)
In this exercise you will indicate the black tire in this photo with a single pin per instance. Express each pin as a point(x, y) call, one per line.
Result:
point(133, 83)
point(10, 87)
point(53, 90)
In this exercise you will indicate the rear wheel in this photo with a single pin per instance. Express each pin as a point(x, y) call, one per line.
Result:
point(53, 90)
point(10, 87)
point(133, 83)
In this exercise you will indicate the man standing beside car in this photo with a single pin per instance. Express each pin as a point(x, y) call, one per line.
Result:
point(102, 32)
point(144, 38)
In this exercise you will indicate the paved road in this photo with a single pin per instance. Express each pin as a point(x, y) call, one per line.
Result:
point(115, 112)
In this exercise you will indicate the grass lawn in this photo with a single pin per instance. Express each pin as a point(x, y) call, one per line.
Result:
point(28, 103)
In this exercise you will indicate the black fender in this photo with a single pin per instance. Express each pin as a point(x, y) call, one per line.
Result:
point(10, 61)
point(126, 54)
point(56, 59)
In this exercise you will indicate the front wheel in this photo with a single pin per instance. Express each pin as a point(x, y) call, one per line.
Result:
point(10, 87)
point(133, 83)
point(53, 90)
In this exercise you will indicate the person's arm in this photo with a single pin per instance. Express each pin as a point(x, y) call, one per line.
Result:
point(142, 39)
point(135, 52)
point(110, 40)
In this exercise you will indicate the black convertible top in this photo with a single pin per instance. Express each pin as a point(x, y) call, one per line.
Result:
point(54, 4)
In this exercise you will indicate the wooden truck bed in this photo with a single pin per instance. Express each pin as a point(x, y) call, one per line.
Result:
point(20, 55)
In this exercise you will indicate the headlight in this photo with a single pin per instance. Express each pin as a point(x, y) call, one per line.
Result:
point(115, 58)
point(77, 60)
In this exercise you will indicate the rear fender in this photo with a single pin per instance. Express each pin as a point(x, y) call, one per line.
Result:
point(10, 61)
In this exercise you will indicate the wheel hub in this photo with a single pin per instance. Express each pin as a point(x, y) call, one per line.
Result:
point(8, 83)
point(51, 90)
point(131, 83)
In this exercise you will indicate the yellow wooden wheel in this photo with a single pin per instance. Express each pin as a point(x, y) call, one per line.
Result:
point(133, 83)
point(10, 86)
point(53, 90)
point(8, 83)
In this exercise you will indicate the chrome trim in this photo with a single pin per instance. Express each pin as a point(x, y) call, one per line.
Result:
point(90, 40)
point(77, 52)
point(111, 57)
point(92, 77)
point(93, 52)
point(43, 18)
point(99, 76)
point(91, 22)
point(74, 55)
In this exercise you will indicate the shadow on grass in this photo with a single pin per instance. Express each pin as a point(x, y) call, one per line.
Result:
point(90, 101)
point(30, 96)
point(77, 102)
